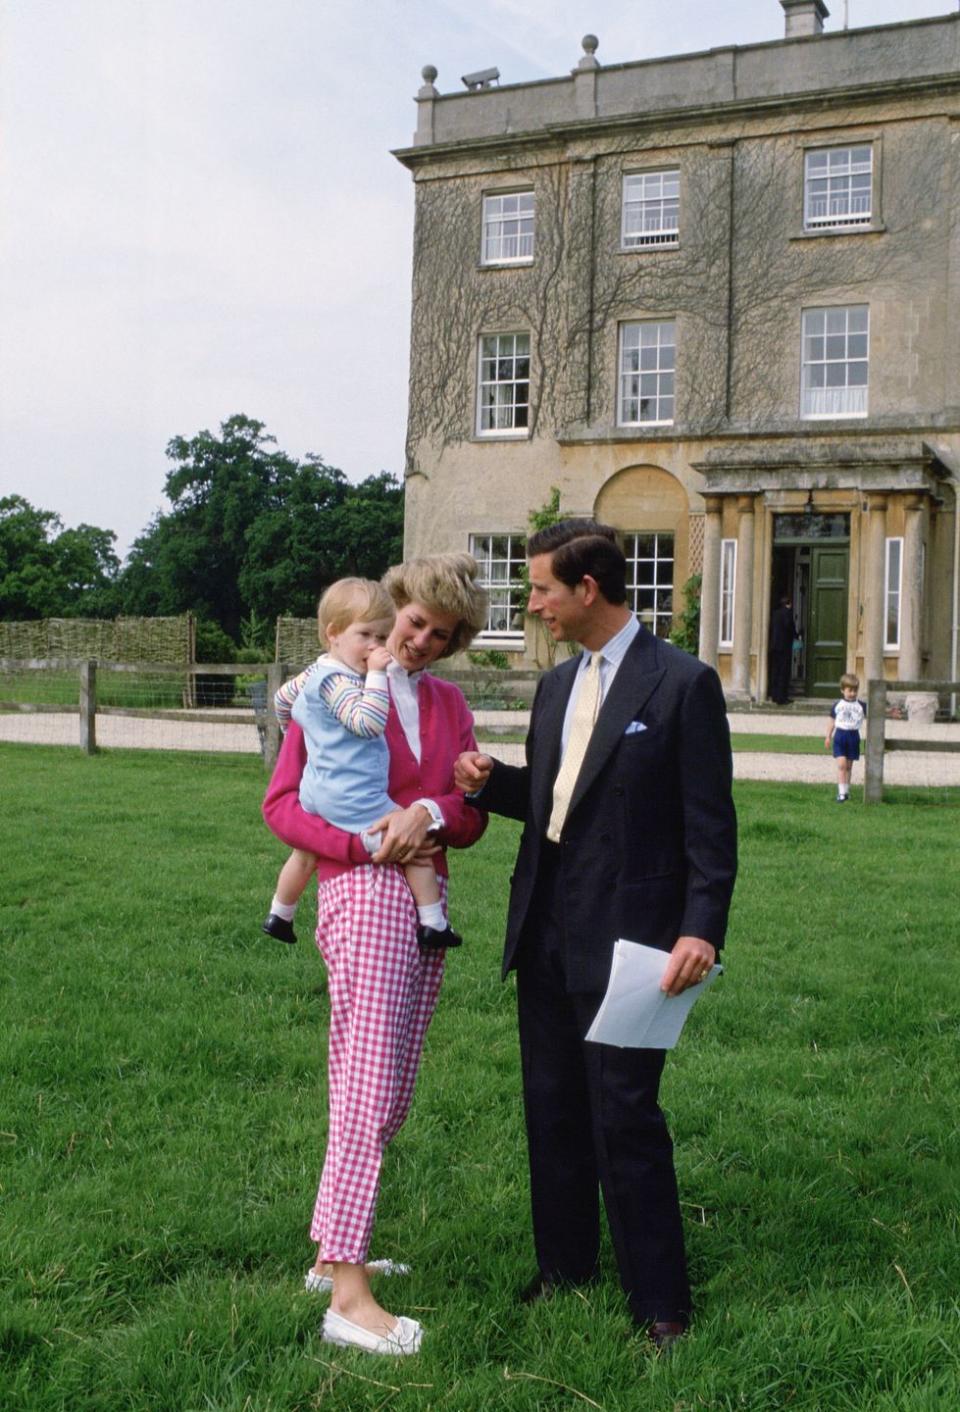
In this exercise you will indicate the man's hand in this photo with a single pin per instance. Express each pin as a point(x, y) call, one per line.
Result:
point(689, 964)
point(404, 832)
point(472, 771)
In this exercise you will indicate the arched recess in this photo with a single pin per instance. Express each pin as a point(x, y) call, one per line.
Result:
point(650, 504)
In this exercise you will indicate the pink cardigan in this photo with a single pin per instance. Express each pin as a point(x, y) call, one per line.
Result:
point(446, 728)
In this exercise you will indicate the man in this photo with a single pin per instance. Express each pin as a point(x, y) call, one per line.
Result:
point(783, 630)
point(637, 841)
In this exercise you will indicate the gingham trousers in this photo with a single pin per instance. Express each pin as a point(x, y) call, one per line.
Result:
point(383, 992)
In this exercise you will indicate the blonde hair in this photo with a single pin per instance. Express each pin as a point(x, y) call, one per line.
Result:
point(445, 583)
point(848, 679)
point(352, 600)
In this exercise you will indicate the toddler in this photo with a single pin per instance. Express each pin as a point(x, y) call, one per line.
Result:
point(846, 717)
point(341, 703)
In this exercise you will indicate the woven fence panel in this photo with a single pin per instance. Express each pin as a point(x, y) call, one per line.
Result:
point(297, 641)
point(696, 543)
point(109, 640)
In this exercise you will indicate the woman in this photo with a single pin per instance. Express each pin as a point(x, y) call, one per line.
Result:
point(383, 989)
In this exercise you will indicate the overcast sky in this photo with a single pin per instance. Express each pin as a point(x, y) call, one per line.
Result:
point(200, 215)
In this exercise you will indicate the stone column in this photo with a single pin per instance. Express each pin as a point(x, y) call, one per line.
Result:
point(911, 591)
point(743, 600)
point(874, 608)
point(710, 581)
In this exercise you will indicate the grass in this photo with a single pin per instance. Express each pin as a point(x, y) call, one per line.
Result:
point(163, 1115)
point(780, 744)
point(739, 740)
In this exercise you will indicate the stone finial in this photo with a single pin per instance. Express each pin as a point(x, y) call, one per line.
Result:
point(590, 44)
point(425, 107)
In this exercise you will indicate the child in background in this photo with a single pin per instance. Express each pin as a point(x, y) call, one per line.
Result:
point(846, 717)
point(341, 703)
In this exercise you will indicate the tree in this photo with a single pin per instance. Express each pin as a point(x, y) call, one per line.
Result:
point(253, 531)
point(47, 571)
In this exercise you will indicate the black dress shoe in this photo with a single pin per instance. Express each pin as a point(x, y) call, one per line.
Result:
point(431, 939)
point(664, 1333)
point(279, 928)
point(537, 1290)
point(541, 1287)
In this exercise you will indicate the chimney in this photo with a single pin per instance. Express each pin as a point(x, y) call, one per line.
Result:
point(804, 17)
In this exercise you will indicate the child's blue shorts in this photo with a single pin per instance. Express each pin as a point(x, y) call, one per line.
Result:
point(846, 745)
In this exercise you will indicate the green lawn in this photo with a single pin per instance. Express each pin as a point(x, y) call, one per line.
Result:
point(163, 1113)
point(739, 740)
point(811, 744)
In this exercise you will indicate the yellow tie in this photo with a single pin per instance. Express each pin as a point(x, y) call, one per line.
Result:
point(581, 728)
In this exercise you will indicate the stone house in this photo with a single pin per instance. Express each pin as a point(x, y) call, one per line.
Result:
point(714, 299)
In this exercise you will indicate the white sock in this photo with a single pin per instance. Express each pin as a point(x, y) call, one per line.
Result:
point(432, 916)
point(843, 790)
point(286, 910)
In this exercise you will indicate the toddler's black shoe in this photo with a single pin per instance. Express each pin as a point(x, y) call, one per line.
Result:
point(279, 928)
point(430, 939)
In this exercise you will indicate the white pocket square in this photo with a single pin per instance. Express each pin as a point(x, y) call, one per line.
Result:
point(634, 727)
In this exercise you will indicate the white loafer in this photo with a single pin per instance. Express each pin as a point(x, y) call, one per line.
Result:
point(402, 1341)
point(323, 1284)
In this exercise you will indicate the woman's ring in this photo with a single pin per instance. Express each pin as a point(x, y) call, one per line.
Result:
point(704, 974)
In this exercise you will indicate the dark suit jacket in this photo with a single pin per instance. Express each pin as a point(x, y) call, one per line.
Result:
point(649, 843)
point(783, 629)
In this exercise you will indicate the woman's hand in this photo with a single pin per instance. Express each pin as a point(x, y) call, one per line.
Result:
point(404, 834)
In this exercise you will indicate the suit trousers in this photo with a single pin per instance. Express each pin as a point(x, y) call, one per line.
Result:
point(778, 683)
point(593, 1124)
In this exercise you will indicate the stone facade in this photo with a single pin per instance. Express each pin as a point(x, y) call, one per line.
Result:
point(779, 227)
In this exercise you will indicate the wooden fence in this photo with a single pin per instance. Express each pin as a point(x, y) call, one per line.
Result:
point(87, 708)
point(484, 686)
point(878, 743)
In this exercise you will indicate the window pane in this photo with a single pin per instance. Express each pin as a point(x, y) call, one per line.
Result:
point(501, 559)
point(834, 373)
point(508, 223)
point(649, 396)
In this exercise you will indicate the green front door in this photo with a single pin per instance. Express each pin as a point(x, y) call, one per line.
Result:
point(827, 623)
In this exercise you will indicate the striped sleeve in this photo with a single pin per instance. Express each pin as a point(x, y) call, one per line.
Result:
point(288, 693)
point(360, 709)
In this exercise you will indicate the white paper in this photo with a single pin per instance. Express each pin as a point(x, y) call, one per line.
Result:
point(635, 1013)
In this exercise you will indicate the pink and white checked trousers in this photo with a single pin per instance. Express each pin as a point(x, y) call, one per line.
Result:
point(383, 992)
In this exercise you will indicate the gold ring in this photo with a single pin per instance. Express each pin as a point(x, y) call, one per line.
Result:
point(703, 975)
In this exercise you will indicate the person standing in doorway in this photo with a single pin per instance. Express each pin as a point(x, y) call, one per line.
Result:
point(629, 831)
point(783, 630)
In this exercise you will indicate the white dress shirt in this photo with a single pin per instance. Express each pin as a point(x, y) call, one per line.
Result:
point(403, 690)
point(612, 654)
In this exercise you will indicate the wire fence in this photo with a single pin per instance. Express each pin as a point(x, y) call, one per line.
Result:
point(85, 702)
point(212, 709)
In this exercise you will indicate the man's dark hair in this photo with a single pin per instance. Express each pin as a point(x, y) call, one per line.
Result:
point(580, 547)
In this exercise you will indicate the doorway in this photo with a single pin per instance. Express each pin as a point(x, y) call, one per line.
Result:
point(811, 564)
